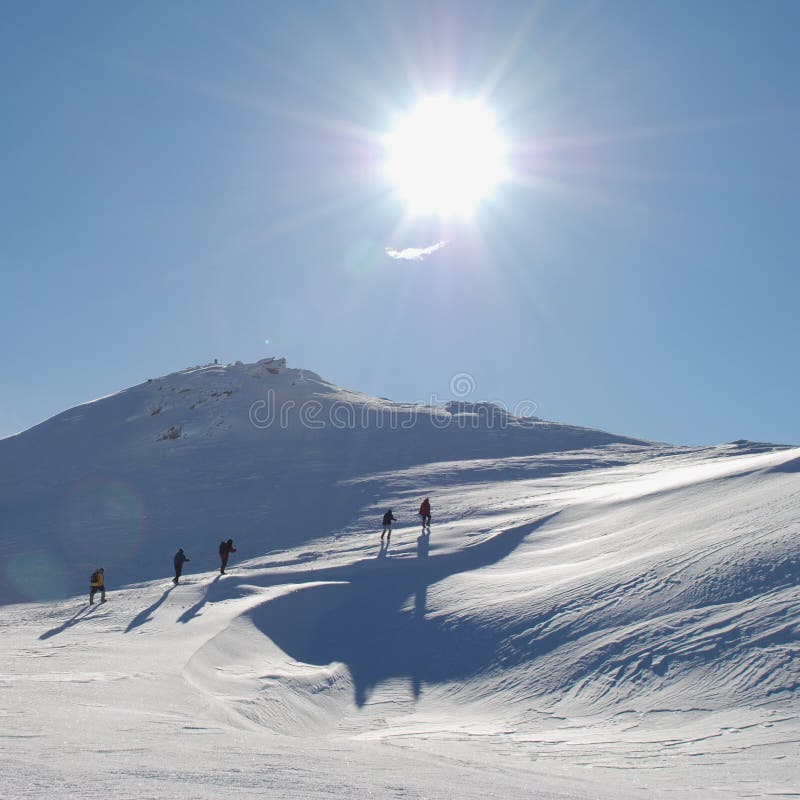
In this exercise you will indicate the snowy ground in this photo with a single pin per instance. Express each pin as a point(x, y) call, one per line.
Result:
point(615, 622)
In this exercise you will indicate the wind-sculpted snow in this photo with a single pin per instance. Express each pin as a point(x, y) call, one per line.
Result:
point(356, 615)
point(666, 603)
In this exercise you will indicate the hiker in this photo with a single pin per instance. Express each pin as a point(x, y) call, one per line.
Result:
point(425, 513)
point(178, 561)
point(388, 519)
point(97, 584)
point(225, 549)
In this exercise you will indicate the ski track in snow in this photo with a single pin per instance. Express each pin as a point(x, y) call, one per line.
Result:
point(611, 621)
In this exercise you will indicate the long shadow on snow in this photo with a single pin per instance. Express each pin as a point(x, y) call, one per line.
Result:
point(145, 616)
point(361, 621)
point(209, 597)
point(79, 616)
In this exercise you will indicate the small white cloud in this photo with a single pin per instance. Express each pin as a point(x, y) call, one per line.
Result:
point(414, 253)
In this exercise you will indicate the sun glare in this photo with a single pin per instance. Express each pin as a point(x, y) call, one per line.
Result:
point(445, 157)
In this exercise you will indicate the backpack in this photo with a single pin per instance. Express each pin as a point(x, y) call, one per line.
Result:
point(223, 548)
point(95, 579)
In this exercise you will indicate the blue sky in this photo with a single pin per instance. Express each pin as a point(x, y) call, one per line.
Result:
point(183, 181)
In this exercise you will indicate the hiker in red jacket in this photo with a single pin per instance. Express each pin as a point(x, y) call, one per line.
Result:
point(425, 513)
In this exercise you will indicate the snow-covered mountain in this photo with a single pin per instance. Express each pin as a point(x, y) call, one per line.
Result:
point(591, 615)
point(260, 452)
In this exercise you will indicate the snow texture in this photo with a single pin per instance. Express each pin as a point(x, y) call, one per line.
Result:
point(591, 616)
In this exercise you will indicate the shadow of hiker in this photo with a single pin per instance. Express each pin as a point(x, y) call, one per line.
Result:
point(194, 610)
point(420, 602)
point(145, 616)
point(81, 614)
point(365, 622)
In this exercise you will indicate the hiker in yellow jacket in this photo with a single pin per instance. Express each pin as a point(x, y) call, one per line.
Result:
point(97, 584)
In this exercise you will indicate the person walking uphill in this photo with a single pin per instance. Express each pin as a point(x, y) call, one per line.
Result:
point(97, 583)
point(425, 513)
point(225, 549)
point(178, 561)
point(388, 519)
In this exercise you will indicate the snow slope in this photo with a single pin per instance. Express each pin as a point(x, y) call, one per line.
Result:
point(601, 619)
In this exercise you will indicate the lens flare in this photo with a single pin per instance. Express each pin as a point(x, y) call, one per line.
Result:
point(102, 522)
point(37, 575)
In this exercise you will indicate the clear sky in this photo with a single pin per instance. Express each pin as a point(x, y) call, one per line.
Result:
point(183, 181)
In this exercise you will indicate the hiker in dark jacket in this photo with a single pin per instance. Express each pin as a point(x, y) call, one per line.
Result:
point(97, 583)
point(178, 561)
point(388, 519)
point(225, 549)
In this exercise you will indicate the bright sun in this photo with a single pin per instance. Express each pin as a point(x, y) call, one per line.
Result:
point(445, 156)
